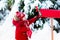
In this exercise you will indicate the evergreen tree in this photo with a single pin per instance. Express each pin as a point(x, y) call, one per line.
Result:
point(33, 12)
point(10, 3)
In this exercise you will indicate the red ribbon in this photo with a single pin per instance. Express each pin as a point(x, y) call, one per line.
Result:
point(50, 13)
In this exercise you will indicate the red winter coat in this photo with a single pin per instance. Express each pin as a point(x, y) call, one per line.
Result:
point(22, 28)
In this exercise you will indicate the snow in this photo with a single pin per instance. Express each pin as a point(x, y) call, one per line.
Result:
point(45, 34)
point(7, 30)
point(46, 4)
point(2, 4)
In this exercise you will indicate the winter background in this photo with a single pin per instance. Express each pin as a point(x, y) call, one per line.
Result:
point(41, 28)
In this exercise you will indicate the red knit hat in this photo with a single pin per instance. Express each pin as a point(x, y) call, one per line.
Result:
point(20, 14)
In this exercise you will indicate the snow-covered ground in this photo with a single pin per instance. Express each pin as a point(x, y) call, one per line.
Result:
point(7, 30)
point(45, 34)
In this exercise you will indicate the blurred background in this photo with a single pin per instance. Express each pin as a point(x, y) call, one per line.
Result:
point(9, 7)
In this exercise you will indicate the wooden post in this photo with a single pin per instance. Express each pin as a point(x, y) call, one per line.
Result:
point(52, 34)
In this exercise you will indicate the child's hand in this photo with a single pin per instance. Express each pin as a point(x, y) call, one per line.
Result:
point(40, 14)
point(29, 33)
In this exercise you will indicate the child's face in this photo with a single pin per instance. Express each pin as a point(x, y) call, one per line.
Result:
point(24, 18)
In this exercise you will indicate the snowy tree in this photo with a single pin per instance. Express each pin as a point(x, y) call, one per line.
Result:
point(9, 7)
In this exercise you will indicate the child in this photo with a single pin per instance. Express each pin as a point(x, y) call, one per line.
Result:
point(22, 25)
